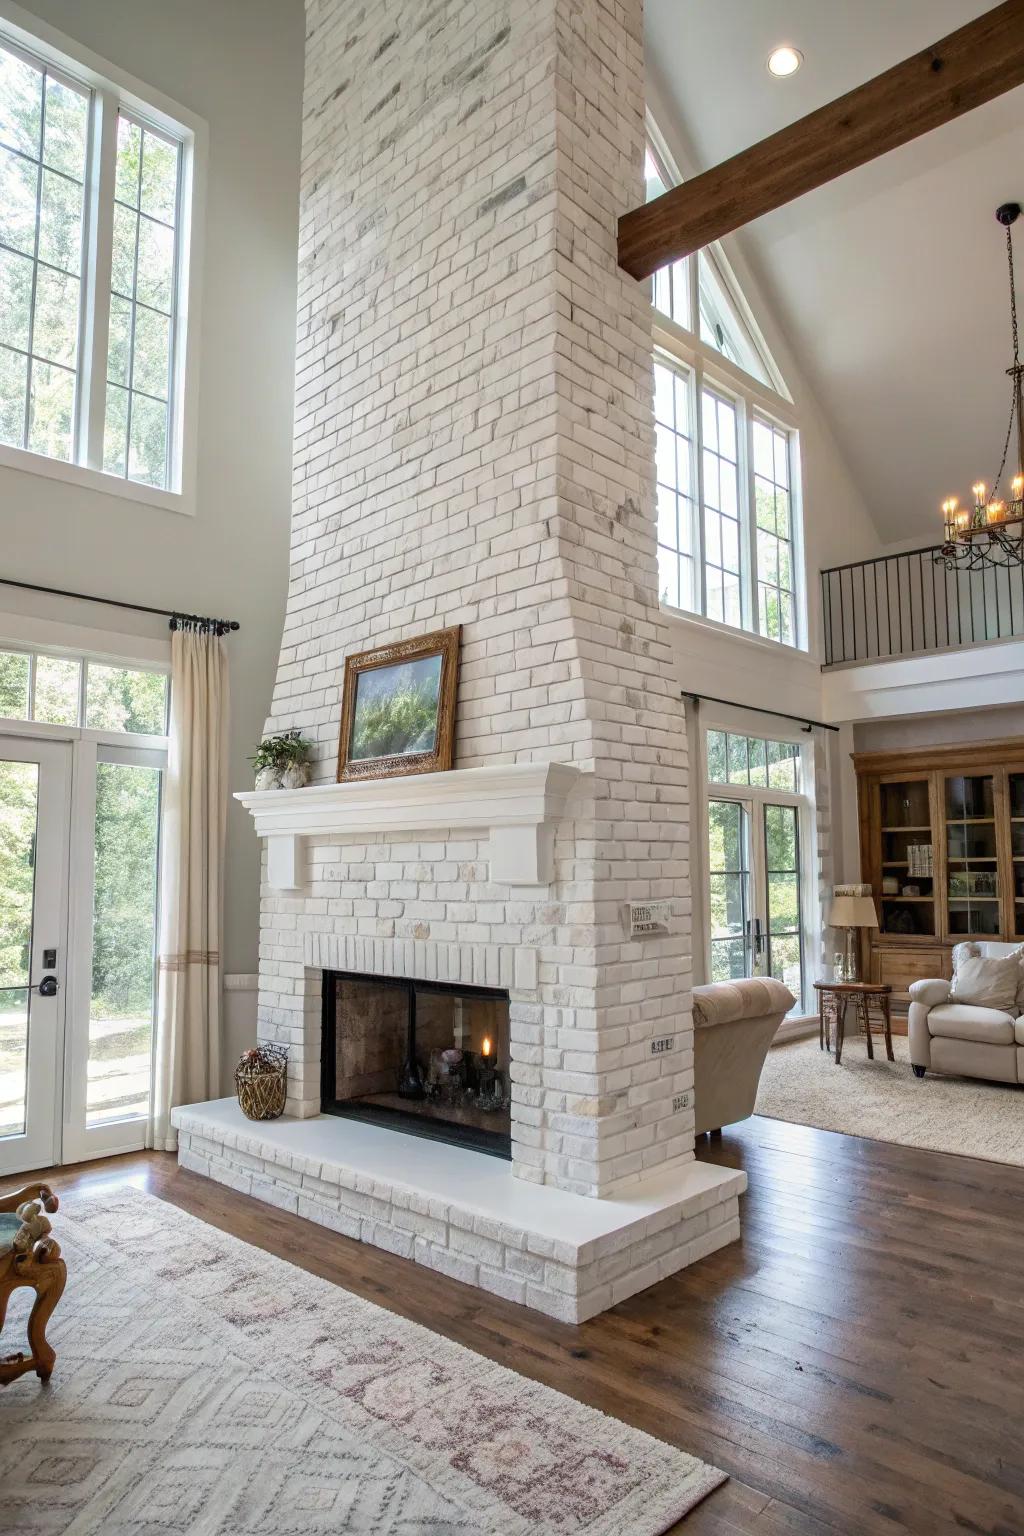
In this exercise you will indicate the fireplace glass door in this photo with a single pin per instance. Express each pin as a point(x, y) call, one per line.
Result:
point(420, 1057)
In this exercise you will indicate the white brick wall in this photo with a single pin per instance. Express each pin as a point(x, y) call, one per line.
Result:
point(474, 445)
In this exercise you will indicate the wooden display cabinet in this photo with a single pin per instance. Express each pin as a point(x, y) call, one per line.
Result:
point(942, 845)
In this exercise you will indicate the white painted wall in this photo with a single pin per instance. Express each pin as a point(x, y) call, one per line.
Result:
point(238, 65)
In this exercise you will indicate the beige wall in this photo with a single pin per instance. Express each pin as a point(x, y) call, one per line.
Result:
point(238, 65)
point(907, 732)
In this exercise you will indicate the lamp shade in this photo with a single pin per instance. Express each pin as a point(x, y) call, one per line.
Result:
point(849, 911)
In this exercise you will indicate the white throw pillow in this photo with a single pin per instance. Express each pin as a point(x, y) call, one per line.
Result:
point(987, 981)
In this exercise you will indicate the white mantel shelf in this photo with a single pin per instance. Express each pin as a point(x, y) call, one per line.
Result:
point(517, 804)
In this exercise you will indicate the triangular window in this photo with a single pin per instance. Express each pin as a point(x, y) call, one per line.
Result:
point(700, 297)
point(722, 326)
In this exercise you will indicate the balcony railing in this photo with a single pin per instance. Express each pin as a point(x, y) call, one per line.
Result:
point(900, 605)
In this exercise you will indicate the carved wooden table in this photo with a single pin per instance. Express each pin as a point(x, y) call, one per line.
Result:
point(871, 1001)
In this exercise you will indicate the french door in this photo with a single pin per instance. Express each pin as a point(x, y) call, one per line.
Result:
point(35, 802)
point(755, 889)
point(79, 856)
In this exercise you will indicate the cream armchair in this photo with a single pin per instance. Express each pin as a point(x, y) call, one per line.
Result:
point(962, 1039)
point(734, 1023)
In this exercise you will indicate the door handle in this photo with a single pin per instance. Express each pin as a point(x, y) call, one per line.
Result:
point(48, 987)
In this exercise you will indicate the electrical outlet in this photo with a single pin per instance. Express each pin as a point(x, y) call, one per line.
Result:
point(681, 1101)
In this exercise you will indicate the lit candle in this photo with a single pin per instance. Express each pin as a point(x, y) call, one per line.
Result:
point(979, 493)
point(996, 511)
point(962, 518)
point(1017, 485)
point(486, 1049)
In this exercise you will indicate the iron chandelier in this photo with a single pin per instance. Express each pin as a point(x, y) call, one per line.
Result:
point(991, 532)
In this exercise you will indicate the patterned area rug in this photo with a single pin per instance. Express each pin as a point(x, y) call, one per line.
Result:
point(886, 1102)
point(205, 1387)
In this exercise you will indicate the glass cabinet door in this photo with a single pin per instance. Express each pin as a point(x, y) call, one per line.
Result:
point(1015, 801)
point(972, 865)
point(907, 896)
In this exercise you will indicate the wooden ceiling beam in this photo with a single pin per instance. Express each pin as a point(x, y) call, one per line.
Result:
point(973, 65)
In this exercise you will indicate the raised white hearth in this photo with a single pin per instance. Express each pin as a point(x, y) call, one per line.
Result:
point(464, 1214)
point(516, 807)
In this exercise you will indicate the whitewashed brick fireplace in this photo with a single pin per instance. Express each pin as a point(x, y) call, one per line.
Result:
point(474, 446)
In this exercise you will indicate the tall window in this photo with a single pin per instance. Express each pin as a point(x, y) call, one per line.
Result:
point(91, 267)
point(728, 492)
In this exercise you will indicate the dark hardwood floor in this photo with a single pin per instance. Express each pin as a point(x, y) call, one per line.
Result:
point(854, 1362)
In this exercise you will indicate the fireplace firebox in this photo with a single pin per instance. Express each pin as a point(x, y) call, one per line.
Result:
point(422, 1057)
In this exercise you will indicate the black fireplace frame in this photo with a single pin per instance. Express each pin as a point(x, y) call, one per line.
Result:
point(493, 1143)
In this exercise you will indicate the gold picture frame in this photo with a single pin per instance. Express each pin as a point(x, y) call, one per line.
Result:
point(398, 708)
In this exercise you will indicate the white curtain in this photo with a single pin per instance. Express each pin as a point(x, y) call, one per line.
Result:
point(186, 1064)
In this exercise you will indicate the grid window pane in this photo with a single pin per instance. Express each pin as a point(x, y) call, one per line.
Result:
point(67, 129)
point(147, 441)
point(57, 690)
point(13, 396)
point(15, 299)
point(124, 699)
point(675, 506)
point(14, 669)
point(124, 942)
point(18, 181)
point(43, 132)
point(139, 354)
point(56, 318)
point(721, 510)
point(752, 760)
point(51, 427)
point(782, 862)
point(773, 517)
point(21, 104)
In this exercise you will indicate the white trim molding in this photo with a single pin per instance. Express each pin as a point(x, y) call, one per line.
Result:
point(518, 803)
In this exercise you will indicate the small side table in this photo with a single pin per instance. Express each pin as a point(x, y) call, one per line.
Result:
point(868, 998)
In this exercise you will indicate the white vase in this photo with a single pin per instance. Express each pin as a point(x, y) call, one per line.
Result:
point(268, 777)
point(295, 776)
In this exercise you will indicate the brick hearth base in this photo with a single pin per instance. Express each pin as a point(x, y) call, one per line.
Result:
point(463, 1213)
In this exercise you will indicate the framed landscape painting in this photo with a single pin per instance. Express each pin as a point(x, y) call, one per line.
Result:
point(398, 708)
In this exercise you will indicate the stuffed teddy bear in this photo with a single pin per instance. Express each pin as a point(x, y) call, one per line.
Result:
point(34, 1225)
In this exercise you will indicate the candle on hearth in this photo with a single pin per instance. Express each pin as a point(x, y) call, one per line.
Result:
point(485, 1049)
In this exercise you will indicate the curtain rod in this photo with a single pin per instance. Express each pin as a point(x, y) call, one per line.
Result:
point(780, 714)
point(222, 626)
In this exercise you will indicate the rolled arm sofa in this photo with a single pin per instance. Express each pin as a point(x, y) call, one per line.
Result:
point(734, 1024)
point(965, 1039)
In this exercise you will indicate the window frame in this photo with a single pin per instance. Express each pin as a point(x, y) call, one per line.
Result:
point(113, 90)
point(757, 797)
point(686, 352)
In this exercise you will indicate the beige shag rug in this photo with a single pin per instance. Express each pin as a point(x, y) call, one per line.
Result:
point(886, 1102)
point(203, 1385)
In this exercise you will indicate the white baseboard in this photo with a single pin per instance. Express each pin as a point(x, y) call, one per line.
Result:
point(796, 1029)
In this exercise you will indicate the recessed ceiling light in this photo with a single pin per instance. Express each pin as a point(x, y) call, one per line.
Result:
point(784, 61)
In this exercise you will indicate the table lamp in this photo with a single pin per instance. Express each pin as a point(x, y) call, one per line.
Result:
point(852, 907)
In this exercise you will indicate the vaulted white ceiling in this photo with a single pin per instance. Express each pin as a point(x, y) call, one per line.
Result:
point(890, 281)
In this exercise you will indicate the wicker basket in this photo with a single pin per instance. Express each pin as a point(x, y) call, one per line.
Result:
point(261, 1080)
